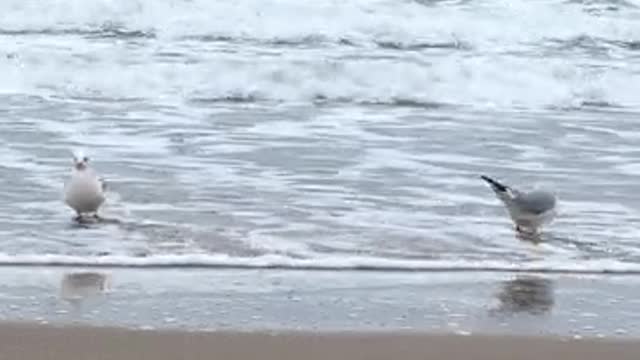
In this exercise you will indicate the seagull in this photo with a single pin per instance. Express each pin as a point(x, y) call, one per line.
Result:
point(528, 210)
point(84, 192)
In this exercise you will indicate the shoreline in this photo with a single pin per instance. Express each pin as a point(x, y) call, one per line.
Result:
point(34, 342)
point(273, 300)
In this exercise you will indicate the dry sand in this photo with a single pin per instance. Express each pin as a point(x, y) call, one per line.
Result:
point(33, 342)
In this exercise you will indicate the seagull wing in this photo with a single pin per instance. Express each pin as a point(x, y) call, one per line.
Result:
point(536, 202)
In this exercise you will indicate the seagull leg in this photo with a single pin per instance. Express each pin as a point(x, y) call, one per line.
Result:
point(528, 233)
point(525, 230)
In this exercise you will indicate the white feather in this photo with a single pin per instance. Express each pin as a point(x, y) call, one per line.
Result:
point(78, 154)
point(84, 192)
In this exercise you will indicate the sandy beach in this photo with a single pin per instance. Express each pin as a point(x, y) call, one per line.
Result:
point(34, 342)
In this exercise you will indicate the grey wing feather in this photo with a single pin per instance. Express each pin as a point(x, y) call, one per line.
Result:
point(536, 202)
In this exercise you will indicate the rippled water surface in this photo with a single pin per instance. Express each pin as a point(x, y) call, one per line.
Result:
point(321, 133)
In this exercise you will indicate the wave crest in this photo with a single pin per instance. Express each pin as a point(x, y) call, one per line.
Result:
point(334, 263)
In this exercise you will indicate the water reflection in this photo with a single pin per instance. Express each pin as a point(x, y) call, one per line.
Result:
point(77, 287)
point(525, 294)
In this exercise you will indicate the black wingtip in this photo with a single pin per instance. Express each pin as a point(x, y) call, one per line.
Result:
point(494, 184)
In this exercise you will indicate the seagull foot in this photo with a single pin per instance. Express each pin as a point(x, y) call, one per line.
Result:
point(527, 231)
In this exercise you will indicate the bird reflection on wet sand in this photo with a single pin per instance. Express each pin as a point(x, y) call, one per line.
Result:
point(78, 287)
point(525, 294)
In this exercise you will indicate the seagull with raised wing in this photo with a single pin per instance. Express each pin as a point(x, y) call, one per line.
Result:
point(84, 192)
point(528, 210)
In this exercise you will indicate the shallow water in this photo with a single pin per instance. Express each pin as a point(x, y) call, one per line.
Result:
point(283, 300)
point(327, 134)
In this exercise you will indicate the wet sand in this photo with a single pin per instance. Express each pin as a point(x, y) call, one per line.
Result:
point(250, 300)
point(34, 342)
point(80, 314)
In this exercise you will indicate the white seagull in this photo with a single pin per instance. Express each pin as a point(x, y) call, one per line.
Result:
point(84, 192)
point(528, 210)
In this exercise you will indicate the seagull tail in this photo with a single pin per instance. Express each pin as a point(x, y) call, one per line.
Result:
point(495, 185)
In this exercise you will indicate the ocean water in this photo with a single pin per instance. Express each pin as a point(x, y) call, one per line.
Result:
point(321, 134)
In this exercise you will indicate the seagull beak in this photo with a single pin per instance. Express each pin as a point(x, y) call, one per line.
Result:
point(79, 164)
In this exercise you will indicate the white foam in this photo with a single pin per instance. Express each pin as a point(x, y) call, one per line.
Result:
point(321, 263)
point(365, 71)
